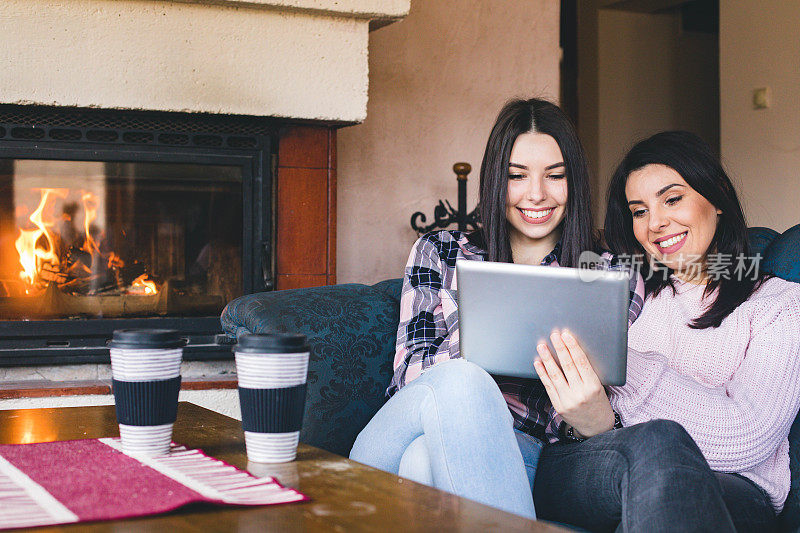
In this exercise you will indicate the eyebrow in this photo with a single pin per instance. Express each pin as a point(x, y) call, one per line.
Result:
point(548, 167)
point(661, 191)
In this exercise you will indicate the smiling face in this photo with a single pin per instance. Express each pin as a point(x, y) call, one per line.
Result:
point(537, 193)
point(673, 223)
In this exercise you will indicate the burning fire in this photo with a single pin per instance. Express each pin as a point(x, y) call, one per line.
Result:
point(90, 213)
point(143, 285)
point(32, 257)
point(45, 258)
point(115, 261)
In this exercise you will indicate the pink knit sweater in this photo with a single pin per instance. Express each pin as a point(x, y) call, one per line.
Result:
point(735, 388)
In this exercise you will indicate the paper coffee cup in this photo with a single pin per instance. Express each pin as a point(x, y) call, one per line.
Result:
point(272, 371)
point(145, 370)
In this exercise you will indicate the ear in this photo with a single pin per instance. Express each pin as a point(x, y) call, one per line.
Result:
point(719, 211)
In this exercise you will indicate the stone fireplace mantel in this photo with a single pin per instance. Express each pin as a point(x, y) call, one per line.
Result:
point(299, 59)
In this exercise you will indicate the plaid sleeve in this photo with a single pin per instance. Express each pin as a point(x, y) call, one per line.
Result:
point(422, 336)
point(635, 288)
point(637, 296)
point(552, 431)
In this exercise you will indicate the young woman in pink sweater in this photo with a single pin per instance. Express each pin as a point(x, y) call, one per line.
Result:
point(716, 348)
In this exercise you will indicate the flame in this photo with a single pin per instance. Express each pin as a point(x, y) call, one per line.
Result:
point(90, 213)
point(115, 261)
point(143, 284)
point(32, 257)
point(39, 248)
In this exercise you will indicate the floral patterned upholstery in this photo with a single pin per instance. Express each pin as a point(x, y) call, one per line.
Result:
point(352, 331)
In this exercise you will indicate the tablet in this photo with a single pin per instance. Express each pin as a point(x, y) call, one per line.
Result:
point(505, 310)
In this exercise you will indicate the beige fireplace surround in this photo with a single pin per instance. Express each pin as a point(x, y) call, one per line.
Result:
point(294, 59)
point(303, 59)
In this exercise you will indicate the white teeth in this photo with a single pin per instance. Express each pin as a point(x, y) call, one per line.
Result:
point(530, 213)
point(672, 241)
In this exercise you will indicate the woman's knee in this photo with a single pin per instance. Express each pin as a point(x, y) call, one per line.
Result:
point(663, 444)
point(661, 433)
point(464, 386)
point(459, 376)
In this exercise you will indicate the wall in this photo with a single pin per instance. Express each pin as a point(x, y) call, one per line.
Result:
point(437, 82)
point(287, 58)
point(651, 76)
point(760, 47)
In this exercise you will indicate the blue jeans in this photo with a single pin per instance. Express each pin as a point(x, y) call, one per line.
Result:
point(647, 477)
point(450, 428)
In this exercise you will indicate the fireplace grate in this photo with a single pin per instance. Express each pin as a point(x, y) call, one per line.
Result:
point(75, 117)
point(132, 127)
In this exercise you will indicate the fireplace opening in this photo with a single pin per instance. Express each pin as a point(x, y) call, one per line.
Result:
point(120, 219)
point(118, 240)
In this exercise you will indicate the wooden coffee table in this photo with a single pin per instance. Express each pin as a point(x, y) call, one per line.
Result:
point(345, 495)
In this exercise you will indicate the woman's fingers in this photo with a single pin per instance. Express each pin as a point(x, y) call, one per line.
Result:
point(576, 393)
point(552, 393)
point(581, 362)
point(553, 372)
point(565, 358)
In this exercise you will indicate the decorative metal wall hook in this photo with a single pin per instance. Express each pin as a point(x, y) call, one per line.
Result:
point(444, 215)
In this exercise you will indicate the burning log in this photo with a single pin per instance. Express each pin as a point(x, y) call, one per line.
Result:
point(130, 273)
point(78, 260)
point(54, 303)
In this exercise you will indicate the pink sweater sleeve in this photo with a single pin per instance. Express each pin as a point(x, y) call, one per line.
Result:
point(739, 424)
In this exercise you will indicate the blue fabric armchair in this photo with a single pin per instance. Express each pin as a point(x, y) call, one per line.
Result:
point(352, 330)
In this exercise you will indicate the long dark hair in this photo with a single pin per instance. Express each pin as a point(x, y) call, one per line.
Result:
point(692, 158)
point(540, 116)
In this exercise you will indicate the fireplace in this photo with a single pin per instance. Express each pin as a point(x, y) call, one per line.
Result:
point(118, 219)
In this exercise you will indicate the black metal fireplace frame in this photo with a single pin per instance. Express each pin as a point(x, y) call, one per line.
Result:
point(121, 136)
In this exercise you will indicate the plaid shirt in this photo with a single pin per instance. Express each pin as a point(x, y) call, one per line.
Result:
point(428, 329)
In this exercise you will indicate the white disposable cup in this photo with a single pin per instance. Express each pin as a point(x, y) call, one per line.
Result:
point(149, 362)
point(273, 367)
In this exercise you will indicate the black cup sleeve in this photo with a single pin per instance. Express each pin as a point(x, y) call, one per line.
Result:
point(272, 410)
point(146, 403)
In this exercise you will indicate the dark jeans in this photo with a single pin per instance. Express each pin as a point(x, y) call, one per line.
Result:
point(647, 477)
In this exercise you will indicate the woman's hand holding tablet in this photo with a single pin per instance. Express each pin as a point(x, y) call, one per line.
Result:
point(574, 388)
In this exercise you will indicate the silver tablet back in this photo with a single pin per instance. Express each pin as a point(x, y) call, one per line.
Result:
point(505, 310)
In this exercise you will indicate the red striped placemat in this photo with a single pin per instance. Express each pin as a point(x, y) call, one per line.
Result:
point(86, 480)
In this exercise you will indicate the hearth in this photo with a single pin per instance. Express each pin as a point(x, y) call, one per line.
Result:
point(117, 219)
